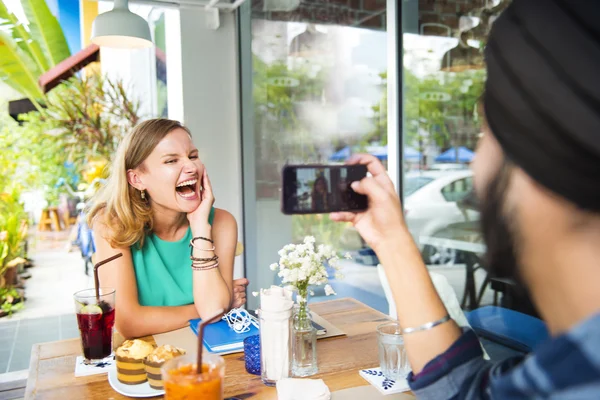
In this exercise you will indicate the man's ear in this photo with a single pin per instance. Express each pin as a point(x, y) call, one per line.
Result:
point(134, 179)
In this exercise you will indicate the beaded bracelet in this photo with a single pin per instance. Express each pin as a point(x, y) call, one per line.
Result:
point(205, 267)
point(215, 258)
point(201, 238)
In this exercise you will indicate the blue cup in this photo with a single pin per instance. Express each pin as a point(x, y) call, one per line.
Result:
point(252, 354)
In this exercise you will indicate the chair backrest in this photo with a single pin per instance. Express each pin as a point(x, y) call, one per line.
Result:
point(445, 291)
point(239, 249)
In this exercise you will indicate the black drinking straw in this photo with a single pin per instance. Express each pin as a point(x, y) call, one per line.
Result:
point(201, 336)
point(96, 279)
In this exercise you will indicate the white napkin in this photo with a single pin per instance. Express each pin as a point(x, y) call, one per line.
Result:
point(82, 369)
point(275, 310)
point(386, 386)
point(302, 389)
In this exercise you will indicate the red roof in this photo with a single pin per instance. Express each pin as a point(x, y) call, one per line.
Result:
point(68, 67)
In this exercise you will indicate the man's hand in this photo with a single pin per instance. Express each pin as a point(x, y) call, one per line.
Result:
point(239, 292)
point(383, 219)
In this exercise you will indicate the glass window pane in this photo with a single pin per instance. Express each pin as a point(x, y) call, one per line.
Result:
point(319, 85)
point(443, 80)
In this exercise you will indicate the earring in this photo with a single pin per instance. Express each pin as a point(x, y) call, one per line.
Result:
point(143, 194)
point(201, 188)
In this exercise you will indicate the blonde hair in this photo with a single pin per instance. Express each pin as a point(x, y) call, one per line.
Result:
point(120, 205)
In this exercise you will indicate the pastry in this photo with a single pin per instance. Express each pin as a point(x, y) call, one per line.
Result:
point(130, 358)
point(155, 361)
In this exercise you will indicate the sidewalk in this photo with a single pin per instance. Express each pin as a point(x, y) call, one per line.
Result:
point(49, 312)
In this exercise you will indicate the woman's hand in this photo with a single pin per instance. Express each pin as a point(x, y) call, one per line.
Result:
point(383, 219)
point(239, 292)
point(199, 217)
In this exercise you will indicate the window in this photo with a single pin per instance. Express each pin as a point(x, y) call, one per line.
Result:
point(319, 88)
point(443, 80)
point(457, 190)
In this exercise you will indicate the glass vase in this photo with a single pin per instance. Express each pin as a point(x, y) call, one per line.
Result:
point(304, 343)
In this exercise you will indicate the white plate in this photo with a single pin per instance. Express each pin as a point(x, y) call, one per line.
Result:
point(140, 390)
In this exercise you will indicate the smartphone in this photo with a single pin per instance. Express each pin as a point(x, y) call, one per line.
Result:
point(319, 189)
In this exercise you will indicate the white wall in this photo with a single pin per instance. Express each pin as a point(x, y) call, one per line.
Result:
point(211, 105)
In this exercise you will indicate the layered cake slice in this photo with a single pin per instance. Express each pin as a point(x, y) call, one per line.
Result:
point(130, 361)
point(155, 361)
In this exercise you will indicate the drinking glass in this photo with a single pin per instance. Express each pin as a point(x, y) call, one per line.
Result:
point(96, 319)
point(392, 354)
point(182, 382)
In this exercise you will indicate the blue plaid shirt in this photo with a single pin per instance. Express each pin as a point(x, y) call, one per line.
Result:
point(564, 367)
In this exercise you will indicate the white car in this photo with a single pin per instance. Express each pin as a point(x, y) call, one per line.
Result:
point(431, 206)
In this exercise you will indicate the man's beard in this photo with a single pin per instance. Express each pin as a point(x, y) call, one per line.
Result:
point(501, 259)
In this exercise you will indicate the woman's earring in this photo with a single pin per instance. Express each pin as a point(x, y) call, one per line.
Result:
point(143, 194)
point(201, 188)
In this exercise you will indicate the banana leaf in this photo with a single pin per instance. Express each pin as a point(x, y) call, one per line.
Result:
point(18, 68)
point(46, 30)
point(9, 21)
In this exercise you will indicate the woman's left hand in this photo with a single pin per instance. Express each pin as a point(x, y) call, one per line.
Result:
point(239, 292)
point(199, 217)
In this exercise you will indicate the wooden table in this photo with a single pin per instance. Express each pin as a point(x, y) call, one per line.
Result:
point(51, 373)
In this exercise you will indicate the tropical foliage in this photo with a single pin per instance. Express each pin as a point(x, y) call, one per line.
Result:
point(27, 51)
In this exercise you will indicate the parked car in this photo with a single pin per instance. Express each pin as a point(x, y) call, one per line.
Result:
point(431, 206)
point(448, 167)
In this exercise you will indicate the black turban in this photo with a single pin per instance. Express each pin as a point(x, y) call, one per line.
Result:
point(542, 98)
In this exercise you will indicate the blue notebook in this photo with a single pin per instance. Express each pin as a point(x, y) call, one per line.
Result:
point(219, 337)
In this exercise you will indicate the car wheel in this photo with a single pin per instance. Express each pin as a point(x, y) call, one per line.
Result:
point(434, 255)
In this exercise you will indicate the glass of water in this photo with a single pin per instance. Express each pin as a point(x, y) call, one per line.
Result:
point(392, 355)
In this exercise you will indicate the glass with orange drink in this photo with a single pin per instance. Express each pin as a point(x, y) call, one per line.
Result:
point(182, 381)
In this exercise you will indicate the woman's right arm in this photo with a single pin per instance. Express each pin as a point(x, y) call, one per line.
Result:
point(132, 319)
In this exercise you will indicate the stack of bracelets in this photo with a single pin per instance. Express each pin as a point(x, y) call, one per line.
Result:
point(203, 264)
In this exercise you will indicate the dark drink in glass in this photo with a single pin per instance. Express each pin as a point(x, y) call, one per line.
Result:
point(96, 319)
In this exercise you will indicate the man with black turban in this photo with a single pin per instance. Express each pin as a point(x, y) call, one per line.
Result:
point(537, 176)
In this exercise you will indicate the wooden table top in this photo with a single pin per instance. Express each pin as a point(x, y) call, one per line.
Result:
point(51, 372)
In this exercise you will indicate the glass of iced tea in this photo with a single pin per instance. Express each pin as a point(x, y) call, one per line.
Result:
point(96, 318)
point(183, 382)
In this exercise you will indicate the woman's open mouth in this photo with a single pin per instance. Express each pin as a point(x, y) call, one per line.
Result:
point(187, 189)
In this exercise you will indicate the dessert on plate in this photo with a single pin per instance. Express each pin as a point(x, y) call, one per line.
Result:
point(130, 358)
point(155, 361)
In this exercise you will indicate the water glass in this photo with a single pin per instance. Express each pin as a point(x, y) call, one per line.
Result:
point(392, 354)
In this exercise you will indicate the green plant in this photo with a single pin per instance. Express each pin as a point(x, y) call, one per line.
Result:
point(84, 121)
point(10, 300)
point(26, 52)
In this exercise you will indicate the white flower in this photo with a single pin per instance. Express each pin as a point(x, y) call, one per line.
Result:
point(329, 290)
point(312, 293)
point(348, 256)
point(255, 294)
point(309, 240)
point(273, 266)
point(339, 276)
point(300, 299)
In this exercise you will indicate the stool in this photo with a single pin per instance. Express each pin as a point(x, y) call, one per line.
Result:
point(45, 221)
point(68, 220)
point(50, 219)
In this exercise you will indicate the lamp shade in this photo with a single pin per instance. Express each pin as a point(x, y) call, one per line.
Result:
point(120, 28)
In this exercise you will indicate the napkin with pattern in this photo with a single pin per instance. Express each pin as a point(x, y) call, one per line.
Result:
point(83, 369)
point(386, 386)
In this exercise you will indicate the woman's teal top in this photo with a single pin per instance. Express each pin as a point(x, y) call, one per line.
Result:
point(162, 270)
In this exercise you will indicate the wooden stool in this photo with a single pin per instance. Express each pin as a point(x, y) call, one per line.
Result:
point(45, 221)
point(55, 218)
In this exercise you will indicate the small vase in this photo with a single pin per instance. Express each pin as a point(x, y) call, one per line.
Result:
point(304, 343)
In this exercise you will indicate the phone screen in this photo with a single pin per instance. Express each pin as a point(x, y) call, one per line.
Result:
point(317, 189)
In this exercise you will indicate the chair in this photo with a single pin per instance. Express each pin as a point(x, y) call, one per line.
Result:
point(85, 241)
point(239, 249)
point(445, 291)
point(510, 328)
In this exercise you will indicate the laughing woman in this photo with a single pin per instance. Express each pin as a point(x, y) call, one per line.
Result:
point(157, 201)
